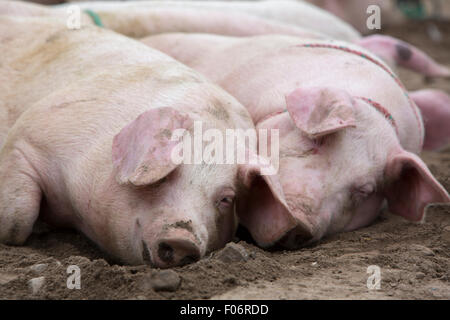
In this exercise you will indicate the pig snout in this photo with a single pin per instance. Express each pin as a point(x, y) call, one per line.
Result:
point(175, 248)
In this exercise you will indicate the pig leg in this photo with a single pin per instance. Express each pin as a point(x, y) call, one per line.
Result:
point(435, 108)
point(397, 52)
point(20, 197)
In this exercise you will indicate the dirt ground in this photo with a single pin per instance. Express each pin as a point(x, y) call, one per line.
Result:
point(414, 259)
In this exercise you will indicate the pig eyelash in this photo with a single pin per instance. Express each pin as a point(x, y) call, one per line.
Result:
point(227, 201)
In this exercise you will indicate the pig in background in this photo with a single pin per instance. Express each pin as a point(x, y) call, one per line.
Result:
point(86, 118)
point(135, 20)
point(349, 133)
point(244, 18)
point(353, 12)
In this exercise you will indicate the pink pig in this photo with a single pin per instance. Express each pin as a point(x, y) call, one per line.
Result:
point(243, 18)
point(349, 132)
point(246, 18)
point(139, 19)
point(86, 118)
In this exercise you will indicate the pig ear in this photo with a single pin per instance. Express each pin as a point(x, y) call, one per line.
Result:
point(319, 111)
point(141, 151)
point(411, 186)
point(263, 211)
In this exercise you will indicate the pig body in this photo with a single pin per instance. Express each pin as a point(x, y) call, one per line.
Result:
point(246, 18)
point(141, 18)
point(86, 118)
point(216, 58)
point(435, 107)
point(348, 129)
point(136, 20)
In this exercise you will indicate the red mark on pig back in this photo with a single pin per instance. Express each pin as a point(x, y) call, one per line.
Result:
point(382, 110)
point(382, 66)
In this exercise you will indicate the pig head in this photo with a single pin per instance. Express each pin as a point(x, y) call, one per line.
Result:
point(172, 214)
point(339, 160)
point(145, 208)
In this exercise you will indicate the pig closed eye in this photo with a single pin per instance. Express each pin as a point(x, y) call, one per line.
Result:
point(225, 201)
point(360, 193)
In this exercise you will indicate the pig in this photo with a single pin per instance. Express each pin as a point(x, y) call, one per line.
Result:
point(137, 21)
point(147, 15)
point(247, 18)
point(143, 18)
point(435, 107)
point(349, 132)
point(87, 119)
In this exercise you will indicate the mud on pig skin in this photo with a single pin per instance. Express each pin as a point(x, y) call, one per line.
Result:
point(85, 121)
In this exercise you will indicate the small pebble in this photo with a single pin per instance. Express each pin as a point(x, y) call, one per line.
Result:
point(420, 275)
point(231, 280)
point(39, 268)
point(36, 284)
point(6, 278)
point(165, 280)
point(422, 250)
point(232, 252)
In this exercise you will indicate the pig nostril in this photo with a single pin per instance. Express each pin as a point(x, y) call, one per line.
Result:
point(165, 252)
point(178, 252)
